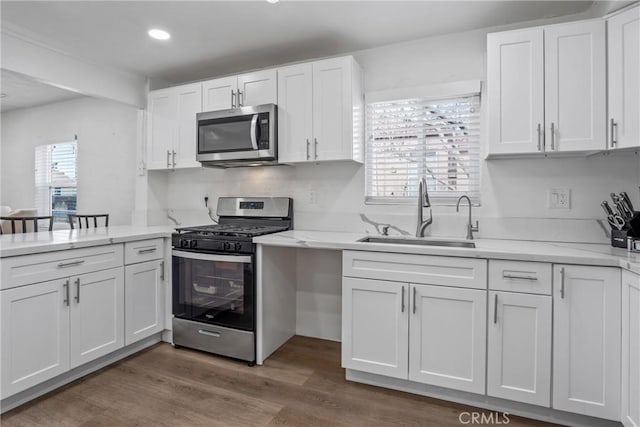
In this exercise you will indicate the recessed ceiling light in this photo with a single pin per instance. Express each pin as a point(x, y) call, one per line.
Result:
point(273, 1)
point(158, 34)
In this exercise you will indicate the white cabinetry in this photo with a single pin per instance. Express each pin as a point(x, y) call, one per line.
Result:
point(375, 326)
point(547, 89)
point(171, 131)
point(145, 300)
point(630, 349)
point(447, 334)
point(320, 111)
point(624, 83)
point(243, 90)
point(586, 340)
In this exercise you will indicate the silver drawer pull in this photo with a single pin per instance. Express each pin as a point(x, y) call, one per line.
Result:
point(146, 251)
point(512, 276)
point(70, 264)
point(209, 333)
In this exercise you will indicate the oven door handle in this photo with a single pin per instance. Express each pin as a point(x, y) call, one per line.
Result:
point(244, 259)
point(254, 131)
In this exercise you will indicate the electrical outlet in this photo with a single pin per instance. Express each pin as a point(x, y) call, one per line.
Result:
point(313, 196)
point(560, 198)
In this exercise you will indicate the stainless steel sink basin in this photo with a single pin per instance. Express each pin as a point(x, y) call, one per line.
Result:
point(420, 242)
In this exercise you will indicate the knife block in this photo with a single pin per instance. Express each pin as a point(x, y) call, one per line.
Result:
point(631, 229)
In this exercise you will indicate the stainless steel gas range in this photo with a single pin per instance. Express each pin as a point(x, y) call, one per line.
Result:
point(213, 283)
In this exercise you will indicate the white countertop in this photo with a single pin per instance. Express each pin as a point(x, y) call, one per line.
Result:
point(48, 241)
point(566, 253)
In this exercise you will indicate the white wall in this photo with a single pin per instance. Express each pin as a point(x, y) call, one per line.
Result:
point(514, 192)
point(106, 153)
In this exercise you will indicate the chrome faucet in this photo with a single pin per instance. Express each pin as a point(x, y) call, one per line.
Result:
point(470, 227)
point(423, 202)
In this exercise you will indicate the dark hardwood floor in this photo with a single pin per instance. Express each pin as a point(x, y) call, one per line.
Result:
point(301, 384)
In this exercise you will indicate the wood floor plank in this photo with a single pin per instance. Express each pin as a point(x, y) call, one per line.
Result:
point(301, 384)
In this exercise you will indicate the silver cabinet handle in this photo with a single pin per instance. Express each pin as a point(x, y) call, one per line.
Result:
point(513, 276)
point(78, 290)
point(168, 159)
point(146, 251)
point(315, 148)
point(66, 291)
point(495, 309)
point(233, 98)
point(402, 298)
point(614, 129)
point(162, 270)
point(174, 159)
point(209, 333)
point(308, 146)
point(553, 136)
point(562, 282)
point(240, 100)
point(70, 264)
point(414, 300)
point(539, 137)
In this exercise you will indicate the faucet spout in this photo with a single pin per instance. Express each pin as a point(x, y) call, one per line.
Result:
point(470, 227)
point(423, 202)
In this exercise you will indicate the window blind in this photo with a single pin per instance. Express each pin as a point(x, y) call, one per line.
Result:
point(56, 180)
point(435, 138)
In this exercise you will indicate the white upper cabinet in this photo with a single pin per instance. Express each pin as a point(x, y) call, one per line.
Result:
point(321, 116)
point(515, 89)
point(171, 131)
point(243, 90)
point(624, 80)
point(575, 86)
point(586, 340)
point(547, 89)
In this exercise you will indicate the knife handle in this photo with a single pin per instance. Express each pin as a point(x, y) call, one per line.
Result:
point(627, 200)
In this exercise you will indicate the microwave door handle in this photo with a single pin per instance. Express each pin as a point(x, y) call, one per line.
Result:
point(254, 130)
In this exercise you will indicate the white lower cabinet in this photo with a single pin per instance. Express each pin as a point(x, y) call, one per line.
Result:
point(519, 347)
point(447, 331)
point(375, 323)
point(144, 300)
point(586, 340)
point(630, 349)
point(35, 335)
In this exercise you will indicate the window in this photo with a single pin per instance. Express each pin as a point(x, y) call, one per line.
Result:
point(56, 180)
point(435, 138)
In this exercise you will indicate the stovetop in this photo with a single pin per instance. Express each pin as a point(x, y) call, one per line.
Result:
point(219, 230)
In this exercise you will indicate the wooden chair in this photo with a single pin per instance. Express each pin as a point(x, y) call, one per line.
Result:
point(79, 217)
point(25, 222)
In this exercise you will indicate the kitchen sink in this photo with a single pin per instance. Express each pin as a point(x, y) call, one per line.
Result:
point(420, 242)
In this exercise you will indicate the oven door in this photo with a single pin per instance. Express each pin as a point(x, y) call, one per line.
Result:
point(214, 288)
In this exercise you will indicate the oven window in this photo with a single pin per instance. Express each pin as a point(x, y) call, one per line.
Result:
point(223, 135)
point(216, 292)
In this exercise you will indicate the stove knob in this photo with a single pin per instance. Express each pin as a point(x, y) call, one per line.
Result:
point(182, 243)
point(227, 246)
point(238, 246)
point(193, 243)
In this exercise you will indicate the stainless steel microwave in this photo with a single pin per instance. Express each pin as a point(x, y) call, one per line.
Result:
point(245, 136)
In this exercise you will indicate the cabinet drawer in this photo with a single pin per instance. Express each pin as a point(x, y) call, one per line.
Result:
point(520, 276)
point(143, 250)
point(430, 270)
point(22, 270)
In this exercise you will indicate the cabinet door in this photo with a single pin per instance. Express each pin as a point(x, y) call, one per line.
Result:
point(575, 86)
point(624, 83)
point(519, 347)
point(375, 325)
point(515, 90)
point(332, 109)
point(258, 88)
point(35, 335)
point(97, 315)
point(295, 122)
point(161, 131)
point(219, 94)
point(144, 292)
point(189, 100)
point(447, 337)
point(630, 349)
point(586, 340)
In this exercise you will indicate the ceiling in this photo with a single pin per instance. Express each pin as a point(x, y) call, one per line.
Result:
point(23, 92)
point(212, 38)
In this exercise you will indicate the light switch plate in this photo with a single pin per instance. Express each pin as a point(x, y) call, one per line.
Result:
point(559, 198)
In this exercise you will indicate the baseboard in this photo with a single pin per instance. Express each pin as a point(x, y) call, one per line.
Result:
point(481, 401)
point(25, 396)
